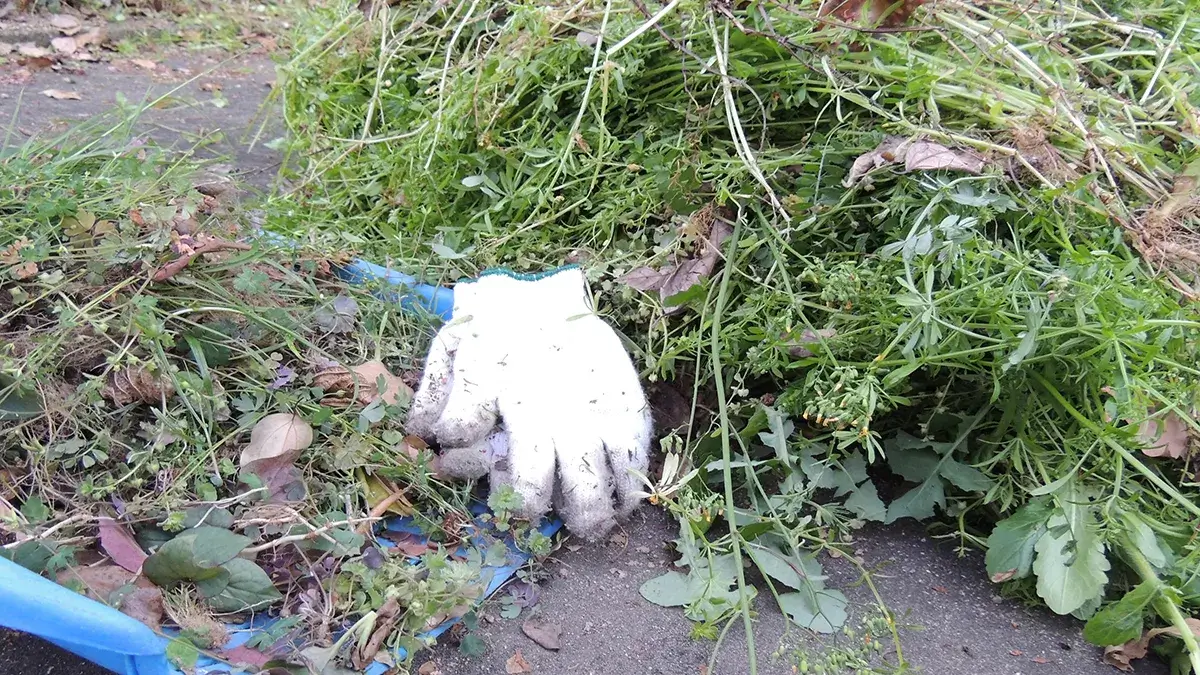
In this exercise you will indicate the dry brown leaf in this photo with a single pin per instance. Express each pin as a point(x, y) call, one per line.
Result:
point(385, 623)
point(137, 385)
point(516, 664)
point(926, 156)
point(62, 95)
point(146, 64)
point(886, 14)
point(66, 23)
point(543, 632)
point(95, 36)
point(12, 254)
point(916, 156)
point(340, 379)
point(429, 668)
point(797, 346)
point(671, 281)
point(31, 50)
point(275, 443)
point(144, 602)
point(1122, 656)
point(120, 545)
point(1165, 436)
point(25, 270)
point(64, 45)
point(275, 436)
point(210, 86)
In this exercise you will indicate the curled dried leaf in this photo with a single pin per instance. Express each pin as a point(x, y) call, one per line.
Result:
point(916, 156)
point(362, 383)
point(65, 23)
point(516, 664)
point(64, 45)
point(137, 385)
point(1164, 436)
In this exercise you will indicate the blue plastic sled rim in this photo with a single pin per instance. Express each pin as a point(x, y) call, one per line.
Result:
point(34, 604)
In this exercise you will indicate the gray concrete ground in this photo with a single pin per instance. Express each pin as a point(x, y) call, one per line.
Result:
point(954, 622)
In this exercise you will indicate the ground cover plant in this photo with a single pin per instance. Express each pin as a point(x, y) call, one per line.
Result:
point(926, 261)
point(202, 424)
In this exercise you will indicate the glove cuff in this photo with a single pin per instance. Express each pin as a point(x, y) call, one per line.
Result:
point(561, 291)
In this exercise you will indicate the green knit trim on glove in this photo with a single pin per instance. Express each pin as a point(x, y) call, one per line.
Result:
point(519, 276)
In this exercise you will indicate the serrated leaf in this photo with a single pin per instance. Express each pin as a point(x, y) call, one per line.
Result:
point(182, 654)
point(918, 502)
point(823, 611)
point(1121, 621)
point(1070, 566)
point(866, 504)
point(965, 477)
point(1010, 546)
point(248, 588)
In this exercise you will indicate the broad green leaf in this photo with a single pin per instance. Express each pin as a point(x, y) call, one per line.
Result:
point(786, 569)
point(214, 585)
point(918, 502)
point(965, 477)
point(866, 504)
point(497, 554)
point(196, 516)
point(1071, 567)
point(193, 555)
point(182, 654)
point(855, 468)
point(820, 474)
point(823, 611)
point(672, 589)
point(1121, 621)
point(781, 429)
point(16, 404)
point(35, 510)
point(32, 555)
point(914, 465)
point(1146, 541)
point(249, 588)
point(1010, 546)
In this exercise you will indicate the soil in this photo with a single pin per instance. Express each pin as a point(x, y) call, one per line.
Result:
point(954, 622)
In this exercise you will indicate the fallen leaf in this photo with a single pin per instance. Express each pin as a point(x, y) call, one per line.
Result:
point(1164, 436)
point(1041, 659)
point(870, 13)
point(137, 385)
point(64, 45)
point(797, 345)
point(12, 254)
point(147, 64)
point(525, 594)
point(66, 23)
point(339, 316)
point(120, 545)
point(516, 664)
point(543, 632)
point(244, 655)
point(275, 443)
point(385, 623)
point(1016, 652)
point(926, 156)
point(429, 668)
point(380, 490)
point(25, 270)
point(939, 589)
point(33, 51)
point(134, 595)
point(1121, 656)
point(340, 379)
point(671, 281)
point(94, 36)
point(916, 156)
point(61, 95)
point(407, 543)
point(210, 86)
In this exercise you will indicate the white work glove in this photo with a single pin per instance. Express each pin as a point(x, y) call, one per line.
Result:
point(530, 379)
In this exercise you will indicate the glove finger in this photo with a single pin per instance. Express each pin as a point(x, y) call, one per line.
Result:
point(628, 451)
point(528, 469)
point(436, 382)
point(469, 414)
point(586, 485)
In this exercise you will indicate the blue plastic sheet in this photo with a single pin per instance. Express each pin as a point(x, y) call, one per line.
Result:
point(36, 605)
